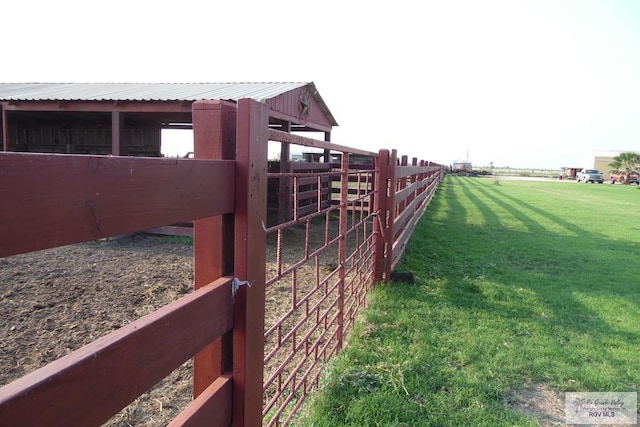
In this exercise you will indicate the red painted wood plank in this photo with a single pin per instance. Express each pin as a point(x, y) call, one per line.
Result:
point(92, 384)
point(401, 242)
point(416, 187)
point(391, 212)
point(250, 256)
point(53, 200)
point(211, 408)
point(309, 180)
point(276, 135)
point(214, 137)
point(104, 106)
point(305, 195)
point(418, 207)
point(305, 210)
point(310, 167)
point(402, 171)
point(409, 212)
point(171, 230)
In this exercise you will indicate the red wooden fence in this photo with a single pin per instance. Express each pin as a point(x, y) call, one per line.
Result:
point(53, 200)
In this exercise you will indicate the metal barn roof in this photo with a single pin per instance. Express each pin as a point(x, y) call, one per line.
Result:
point(155, 92)
point(142, 91)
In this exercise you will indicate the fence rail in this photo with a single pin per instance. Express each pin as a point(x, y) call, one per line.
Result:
point(117, 368)
point(90, 197)
point(258, 350)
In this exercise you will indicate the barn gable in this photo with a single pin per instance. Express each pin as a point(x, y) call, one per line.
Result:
point(303, 107)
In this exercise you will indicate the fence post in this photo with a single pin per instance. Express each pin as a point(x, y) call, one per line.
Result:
point(403, 184)
point(414, 178)
point(214, 138)
point(380, 209)
point(422, 177)
point(250, 258)
point(391, 209)
point(342, 243)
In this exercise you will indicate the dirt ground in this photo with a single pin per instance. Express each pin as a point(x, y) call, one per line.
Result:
point(57, 300)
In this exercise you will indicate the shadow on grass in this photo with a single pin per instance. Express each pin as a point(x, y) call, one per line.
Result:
point(574, 284)
point(507, 294)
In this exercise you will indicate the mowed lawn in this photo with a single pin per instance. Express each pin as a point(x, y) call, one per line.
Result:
point(524, 290)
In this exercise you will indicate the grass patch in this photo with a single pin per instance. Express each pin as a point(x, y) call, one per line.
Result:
point(522, 285)
point(180, 240)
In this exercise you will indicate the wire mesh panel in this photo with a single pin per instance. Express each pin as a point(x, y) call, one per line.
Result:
point(319, 270)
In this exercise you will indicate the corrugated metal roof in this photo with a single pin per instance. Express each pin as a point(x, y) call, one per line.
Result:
point(158, 92)
point(143, 91)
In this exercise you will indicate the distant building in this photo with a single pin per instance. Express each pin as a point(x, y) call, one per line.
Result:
point(600, 159)
point(461, 165)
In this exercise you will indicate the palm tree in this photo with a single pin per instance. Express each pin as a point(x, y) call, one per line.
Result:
point(625, 164)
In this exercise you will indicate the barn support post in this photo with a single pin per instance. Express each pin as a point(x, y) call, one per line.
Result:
point(5, 127)
point(327, 153)
point(284, 182)
point(250, 258)
point(342, 244)
point(117, 133)
point(214, 138)
point(391, 212)
point(380, 209)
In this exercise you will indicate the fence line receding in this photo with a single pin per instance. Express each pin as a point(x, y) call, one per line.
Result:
point(283, 260)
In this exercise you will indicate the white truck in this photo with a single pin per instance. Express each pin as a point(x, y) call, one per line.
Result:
point(590, 175)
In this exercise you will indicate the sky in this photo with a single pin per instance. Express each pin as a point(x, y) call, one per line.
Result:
point(513, 83)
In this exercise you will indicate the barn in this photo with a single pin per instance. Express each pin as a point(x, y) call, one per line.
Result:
point(127, 119)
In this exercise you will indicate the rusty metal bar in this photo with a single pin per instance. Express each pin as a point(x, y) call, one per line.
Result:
point(301, 262)
point(296, 199)
point(380, 212)
point(319, 195)
point(342, 243)
point(322, 306)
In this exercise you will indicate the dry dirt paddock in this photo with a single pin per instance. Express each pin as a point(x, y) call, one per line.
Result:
point(57, 300)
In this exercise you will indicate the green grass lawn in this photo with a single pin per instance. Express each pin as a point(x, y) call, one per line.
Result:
point(518, 285)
